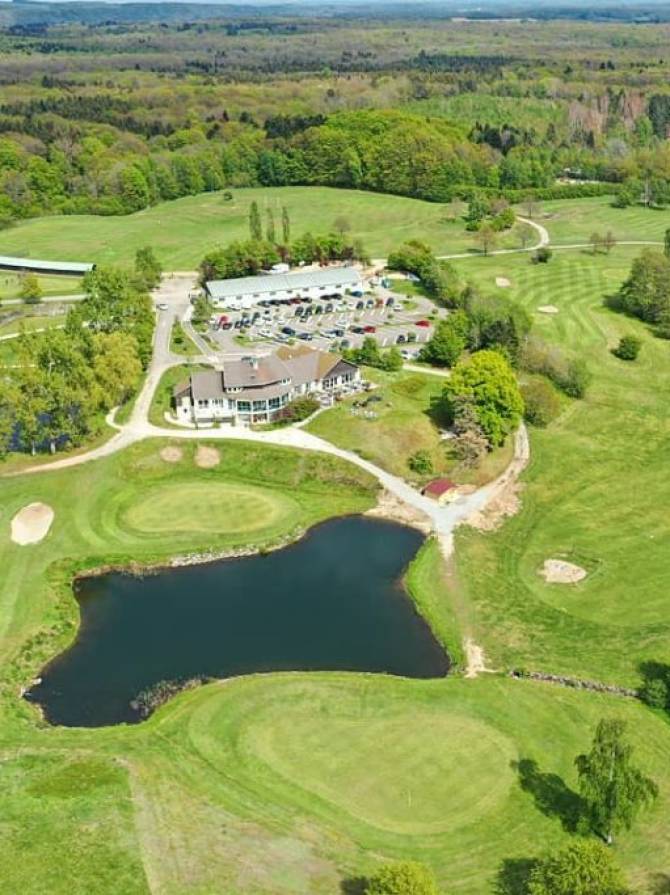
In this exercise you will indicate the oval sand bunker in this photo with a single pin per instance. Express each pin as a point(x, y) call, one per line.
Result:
point(32, 523)
point(558, 571)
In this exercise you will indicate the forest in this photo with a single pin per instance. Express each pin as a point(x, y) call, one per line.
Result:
point(110, 120)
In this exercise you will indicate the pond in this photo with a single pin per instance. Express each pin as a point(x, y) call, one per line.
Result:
point(332, 601)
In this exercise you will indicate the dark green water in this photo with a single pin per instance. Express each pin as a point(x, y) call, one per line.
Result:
point(333, 601)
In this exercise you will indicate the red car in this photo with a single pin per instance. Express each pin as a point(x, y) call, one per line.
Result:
point(422, 323)
point(369, 329)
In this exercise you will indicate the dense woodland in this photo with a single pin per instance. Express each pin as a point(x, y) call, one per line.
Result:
point(109, 119)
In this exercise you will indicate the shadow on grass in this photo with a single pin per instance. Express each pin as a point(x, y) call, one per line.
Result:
point(355, 885)
point(514, 876)
point(552, 797)
point(660, 884)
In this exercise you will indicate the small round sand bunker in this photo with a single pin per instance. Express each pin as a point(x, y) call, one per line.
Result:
point(32, 524)
point(207, 457)
point(503, 282)
point(558, 571)
point(171, 454)
point(548, 309)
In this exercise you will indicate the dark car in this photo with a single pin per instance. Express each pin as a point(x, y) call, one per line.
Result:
point(338, 331)
point(369, 329)
point(226, 325)
point(359, 330)
point(288, 331)
point(306, 337)
point(328, 309)
point(255, 316)
point(400, 339)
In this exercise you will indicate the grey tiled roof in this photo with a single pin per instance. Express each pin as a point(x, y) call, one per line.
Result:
point(331, 277)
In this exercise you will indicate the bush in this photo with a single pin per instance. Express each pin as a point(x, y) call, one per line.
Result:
point(576, 379)
point(655, 693)
point(541, 255)
point(580, 868)
point(542, 403)
point(299, 409)
point(570, 376)
point(628, 348)
point(403, 878)
point(421, 463)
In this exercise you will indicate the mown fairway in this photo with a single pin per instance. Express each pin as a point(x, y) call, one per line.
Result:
point(182, 231)
point(572, 221)
point(596, 493)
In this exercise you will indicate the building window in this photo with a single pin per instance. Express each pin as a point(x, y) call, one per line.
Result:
point(259, 405)
point(203, 402)
point(244, 406)
point(274, 403)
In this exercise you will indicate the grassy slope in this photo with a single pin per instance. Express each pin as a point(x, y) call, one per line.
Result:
point(183, 230)
point(406, 421)
point(10, 283)
point(596, 491)
point(574, 220)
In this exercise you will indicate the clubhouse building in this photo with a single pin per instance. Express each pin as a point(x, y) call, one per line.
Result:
point(257, 389)
point(242, 293)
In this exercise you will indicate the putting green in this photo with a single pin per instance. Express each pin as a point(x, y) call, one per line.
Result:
point(198, 506)
point(391, 775)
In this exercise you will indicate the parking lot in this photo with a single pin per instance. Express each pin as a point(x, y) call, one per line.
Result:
point(332, 322)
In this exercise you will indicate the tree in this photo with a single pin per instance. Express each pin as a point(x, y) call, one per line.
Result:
point(470, 444)
point(541, 255)
point(583, 867)
point(666, 243)
point(285, 225)
point(531, 206)
point(525, 234)
point(116, 366)
point(30, 289)
point(541, 402)
point(448, 341)
point(655, 693)
point(148, 269)
point(270, 233)
point(341, 225)
point(609, 241)
point(255, 226)
point(596, 242)
point(487, 383)
point(486, 238)
point(402, 878)
point(612, 787)
point(628, 348)
point(478, 208)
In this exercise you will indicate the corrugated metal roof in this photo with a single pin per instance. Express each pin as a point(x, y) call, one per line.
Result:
point(8, 262)
point(333, 277)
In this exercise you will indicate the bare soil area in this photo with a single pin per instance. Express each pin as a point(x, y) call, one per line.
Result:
point(548, 309)
point(391, 507)
point(171, 454)
point(207, 457)
point(559, 571)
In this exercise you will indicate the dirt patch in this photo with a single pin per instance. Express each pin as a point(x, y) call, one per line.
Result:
point(391, 507)
point(32, 523)
point(559, 571)
point(503, 282)
point(207, 457)
point(474, 659)
point(171, 454)
point(548, 309)
point(503, 494)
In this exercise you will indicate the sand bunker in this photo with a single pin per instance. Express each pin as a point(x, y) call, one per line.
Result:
point(548, 309)
point(171, 454)
point(32, 523)
point(207, 457)
point(558, 571)
point(503, 282)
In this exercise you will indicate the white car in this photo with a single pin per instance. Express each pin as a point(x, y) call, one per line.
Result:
point(162, 306)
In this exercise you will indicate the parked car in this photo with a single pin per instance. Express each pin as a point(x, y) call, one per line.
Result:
point(370, 303)
point(422, 323)
point(265, 333)
point(288, 330)
point(401, 337)
point(359, 330)
point(306, 337)
point(255, 316)
point(237, 324)
point(369, 329)
point(338, 331)
point(162, 306)
point(411, 337)
point(226, 325)
point(406, 355)
point(328, 309)
point(356, 293)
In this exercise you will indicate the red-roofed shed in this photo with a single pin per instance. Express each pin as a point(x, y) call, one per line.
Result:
point(440, 490)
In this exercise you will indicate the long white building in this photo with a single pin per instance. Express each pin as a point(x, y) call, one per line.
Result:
point(245, 292)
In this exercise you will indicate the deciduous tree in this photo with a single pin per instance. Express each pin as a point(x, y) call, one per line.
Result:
point(581, 868)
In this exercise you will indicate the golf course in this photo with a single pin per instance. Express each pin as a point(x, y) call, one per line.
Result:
point(287, 782)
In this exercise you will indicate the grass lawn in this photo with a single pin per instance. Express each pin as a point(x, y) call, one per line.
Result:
point(182, 231)
point(572, 221)
point(596, 493)
point(162, 399)
point(405, 421)
point(10, 283)
point(181, 342)
point(30, 323)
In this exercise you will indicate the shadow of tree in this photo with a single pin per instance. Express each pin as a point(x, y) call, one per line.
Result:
point(551, 795)
point(660, 884)
point(514, 876)
point(354, 885)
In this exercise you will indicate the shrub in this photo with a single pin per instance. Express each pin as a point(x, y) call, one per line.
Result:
point(581, 868)
point(628, 348)
point(421, 463)
point(576, 379)
point(541, 401)
point(570, 376)
point(299, 409)
point(403, 878)
point(541, 255)
point(655, 693)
